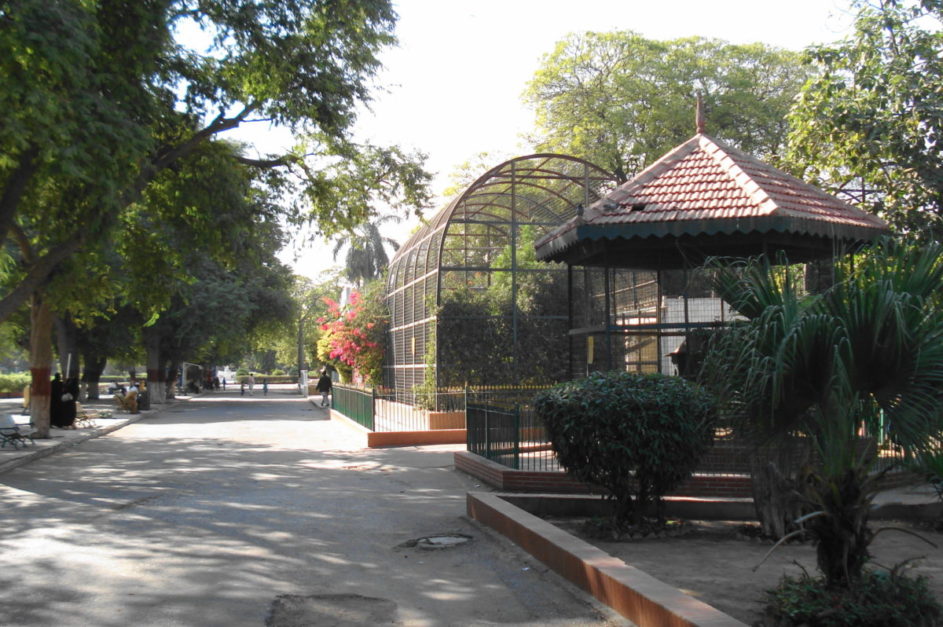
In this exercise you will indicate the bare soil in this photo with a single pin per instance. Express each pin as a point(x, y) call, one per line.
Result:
point(716, 562)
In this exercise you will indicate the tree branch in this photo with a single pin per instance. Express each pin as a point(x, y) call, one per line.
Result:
point(268, 163)
point(16, 186)
point(36, 277)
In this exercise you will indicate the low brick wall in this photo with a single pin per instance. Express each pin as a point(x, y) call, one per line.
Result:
point(510, 480)
point(633, 593)
point(447, 420)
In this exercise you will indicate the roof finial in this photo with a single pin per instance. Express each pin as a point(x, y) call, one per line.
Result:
point(699, 115)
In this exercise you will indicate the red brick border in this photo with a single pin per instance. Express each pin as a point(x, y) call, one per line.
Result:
point(510, 480)
point(633, 593)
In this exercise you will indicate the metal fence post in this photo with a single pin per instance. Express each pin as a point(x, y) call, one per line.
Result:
point(373, 409)
point(517, 437)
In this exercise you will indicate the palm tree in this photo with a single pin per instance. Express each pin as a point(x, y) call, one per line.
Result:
point(366, 257)
point(827, 366)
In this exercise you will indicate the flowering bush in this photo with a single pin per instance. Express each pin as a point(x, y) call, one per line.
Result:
point(353, 336)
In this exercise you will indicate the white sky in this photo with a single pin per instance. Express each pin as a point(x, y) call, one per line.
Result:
point(452, 87)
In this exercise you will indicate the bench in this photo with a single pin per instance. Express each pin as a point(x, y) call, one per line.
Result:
point(13, 433)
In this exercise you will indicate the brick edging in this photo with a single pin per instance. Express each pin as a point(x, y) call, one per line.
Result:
point(510, 480)
point(632, 592)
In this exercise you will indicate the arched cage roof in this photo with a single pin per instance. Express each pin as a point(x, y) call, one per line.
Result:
point(482, 240)
point(541, 190)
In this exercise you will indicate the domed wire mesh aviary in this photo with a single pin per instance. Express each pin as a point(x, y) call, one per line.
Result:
point(469, 302)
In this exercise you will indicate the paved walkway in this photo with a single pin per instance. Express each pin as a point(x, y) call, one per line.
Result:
point(237, 510)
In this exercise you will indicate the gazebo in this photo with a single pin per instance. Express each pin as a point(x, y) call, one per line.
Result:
point(467, 299)
point(633, 256)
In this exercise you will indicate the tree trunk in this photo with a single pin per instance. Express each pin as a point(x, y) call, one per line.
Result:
point(172, 374)
point(91, 376)
point(40, 357)
point(775, 469)
point(67, 344)
point(156, 388)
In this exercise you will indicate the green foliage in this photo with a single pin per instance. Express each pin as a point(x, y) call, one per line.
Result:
point(366, 259)
point(621, 101)
point(880, 598)
point(827, 365)
point(637, 436)
point(479, 344)
point(15, 382)
point(106, 105)
point(872, 115)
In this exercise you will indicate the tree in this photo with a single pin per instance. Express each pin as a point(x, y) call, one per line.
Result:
point(870, 121)
point(828, 365)
point(621, 101)
point(152, 101)
point(139, 103)
point(366, 259)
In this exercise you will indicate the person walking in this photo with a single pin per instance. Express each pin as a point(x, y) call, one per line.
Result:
point(264, 387)
point(251, 384)
point(324, 386)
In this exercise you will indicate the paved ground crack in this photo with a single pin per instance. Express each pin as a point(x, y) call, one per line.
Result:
point(330, 610)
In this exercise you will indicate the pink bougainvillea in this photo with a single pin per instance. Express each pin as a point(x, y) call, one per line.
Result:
point(353, 337)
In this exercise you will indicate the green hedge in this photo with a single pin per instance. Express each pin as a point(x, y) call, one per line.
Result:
point(638, 436)
point(14, 383)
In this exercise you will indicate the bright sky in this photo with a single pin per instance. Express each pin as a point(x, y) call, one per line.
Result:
point(452, 88)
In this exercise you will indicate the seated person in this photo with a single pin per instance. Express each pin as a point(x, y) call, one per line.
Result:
point(129, 400)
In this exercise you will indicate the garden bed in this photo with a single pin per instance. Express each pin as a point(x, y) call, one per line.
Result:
point(713, 561)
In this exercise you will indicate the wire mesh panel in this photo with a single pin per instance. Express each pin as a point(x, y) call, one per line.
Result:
point(496, 313)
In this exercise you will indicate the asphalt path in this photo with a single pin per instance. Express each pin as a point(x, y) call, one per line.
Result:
point(258, 510)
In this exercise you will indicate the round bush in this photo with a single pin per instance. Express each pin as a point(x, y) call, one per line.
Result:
point(637, 436)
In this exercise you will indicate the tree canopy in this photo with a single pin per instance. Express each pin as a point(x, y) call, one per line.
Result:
point(870, 121)
point(620, 100)
point(107, 96)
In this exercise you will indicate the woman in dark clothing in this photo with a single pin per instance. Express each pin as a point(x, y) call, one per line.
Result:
point(70, 395)
point(55, 401)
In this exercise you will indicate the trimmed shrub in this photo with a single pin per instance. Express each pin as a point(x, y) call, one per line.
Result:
point(637, 436)
point(878, 599)
point(14, 383)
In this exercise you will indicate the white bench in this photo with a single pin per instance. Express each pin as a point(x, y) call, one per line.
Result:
point(14, 433)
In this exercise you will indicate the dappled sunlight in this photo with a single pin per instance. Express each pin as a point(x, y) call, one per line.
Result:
point(202, 510)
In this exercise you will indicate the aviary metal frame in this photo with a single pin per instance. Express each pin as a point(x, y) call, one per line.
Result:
point(483, 239)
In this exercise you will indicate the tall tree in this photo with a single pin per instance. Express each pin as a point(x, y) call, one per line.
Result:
point(144, 101)
point(366, 258)
point(870, 122)
point(621, 101)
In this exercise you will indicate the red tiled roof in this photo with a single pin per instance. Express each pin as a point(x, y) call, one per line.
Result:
point(722, 190)
point(703, 179)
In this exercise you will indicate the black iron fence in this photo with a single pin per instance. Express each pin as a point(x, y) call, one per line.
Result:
point(510, 435)
point(382, 409)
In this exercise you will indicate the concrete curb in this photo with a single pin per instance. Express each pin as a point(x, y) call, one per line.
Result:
point(633, 593)
point(381, 439)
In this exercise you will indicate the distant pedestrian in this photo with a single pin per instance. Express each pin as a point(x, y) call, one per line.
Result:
point(324, 386)
point(251, 384)
point(242, 388)
point(224, 384)
point(264, 387)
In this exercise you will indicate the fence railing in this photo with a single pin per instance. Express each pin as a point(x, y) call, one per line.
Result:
point(510, 435)
point(395, 410)
point(356, 404)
